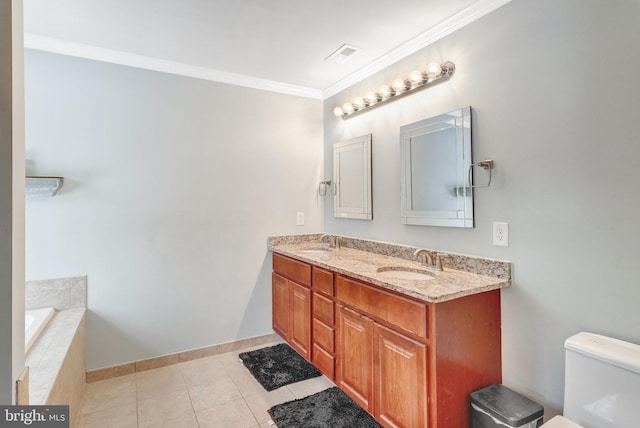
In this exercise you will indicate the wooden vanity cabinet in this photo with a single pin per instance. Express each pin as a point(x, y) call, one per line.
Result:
point(383, 370)
point(291, 303)
point(412, 363)
point(408, 362)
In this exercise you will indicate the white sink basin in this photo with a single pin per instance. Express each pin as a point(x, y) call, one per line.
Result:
point(405, 273)
point(316, 251)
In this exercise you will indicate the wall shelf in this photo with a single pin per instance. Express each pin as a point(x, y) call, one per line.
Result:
point(42, 186)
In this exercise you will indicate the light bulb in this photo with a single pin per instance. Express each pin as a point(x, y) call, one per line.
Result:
point(358, 103)
point(348, 108)
point(415, 77)
point(372, 97)
point(338, 112)
point(384, 91)
point(398, 85)
point(434, 70)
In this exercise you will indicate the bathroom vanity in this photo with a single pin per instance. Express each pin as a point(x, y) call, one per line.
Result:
point(407, 344)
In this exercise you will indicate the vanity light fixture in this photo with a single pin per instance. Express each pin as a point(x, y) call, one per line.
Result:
point(371, 98)
point(433, 74)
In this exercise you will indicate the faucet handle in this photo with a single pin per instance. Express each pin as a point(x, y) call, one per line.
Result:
point(438, 261)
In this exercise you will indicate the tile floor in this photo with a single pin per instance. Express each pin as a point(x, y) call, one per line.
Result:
point(210, 392)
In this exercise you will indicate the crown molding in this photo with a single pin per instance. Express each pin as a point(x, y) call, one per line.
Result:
point(444, 28)
point(48, 44)
point(435, 33)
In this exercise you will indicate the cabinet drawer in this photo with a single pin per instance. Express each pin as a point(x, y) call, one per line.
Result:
point(324, 361)
point(322, 281)
point(323, 309)
point(407, 315)
point(323, 335)
point(293, 269)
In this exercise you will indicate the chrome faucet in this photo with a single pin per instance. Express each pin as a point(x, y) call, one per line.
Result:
point(427, 259)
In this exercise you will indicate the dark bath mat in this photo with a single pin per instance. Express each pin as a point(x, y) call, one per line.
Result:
point(277, 366)
point(330, 408)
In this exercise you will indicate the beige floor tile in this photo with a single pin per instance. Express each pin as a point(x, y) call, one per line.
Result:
point(206, 392)
point(246, 383)
point(187, 421)
point(161, 408)
point(310, 386)
point(217, 392)
point(160, 381)
point(234, 414)
point(113, 417)
point(261, 402)
point(202, 372)
point(228, 359)
point(109, 393)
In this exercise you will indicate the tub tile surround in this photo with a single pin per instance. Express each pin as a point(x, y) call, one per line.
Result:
point(56, 360)
point(59, 293)
point(462, 274)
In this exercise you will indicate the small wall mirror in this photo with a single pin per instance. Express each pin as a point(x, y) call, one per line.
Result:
point(435, 157)
point(352, 178)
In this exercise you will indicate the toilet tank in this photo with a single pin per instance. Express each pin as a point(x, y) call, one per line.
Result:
point(602, 382)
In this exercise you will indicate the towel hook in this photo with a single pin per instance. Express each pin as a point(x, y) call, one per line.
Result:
point(485, 164)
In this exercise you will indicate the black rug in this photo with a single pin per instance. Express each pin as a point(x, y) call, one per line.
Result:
point(330, 408)
point(277, 366)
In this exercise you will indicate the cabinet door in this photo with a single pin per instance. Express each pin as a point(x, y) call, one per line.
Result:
point(400, 371)
point(354, 364)
point(280, 306)
point(300, 313)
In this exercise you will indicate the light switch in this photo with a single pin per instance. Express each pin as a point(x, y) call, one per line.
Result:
point(300, 219)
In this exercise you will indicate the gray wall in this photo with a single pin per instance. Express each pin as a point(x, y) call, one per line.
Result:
point(554, 89)
point(172, 186)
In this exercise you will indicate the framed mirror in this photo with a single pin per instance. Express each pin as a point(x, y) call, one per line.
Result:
point(352, 178)
point(435, 157)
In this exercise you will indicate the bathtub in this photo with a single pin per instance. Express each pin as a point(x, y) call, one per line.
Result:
point(35, 321)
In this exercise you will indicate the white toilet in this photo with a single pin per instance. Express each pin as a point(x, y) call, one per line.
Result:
point(602, 384)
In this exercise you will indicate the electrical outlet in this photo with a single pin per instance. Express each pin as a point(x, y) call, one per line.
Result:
point(501, 234)
point(300, 219)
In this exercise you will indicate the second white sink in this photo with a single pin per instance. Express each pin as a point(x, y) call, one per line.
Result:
point(405, 273)
point(316, 251)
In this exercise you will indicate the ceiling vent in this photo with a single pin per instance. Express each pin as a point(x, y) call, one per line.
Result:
point(342, 54)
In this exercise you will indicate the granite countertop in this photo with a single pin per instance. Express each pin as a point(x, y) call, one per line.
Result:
point(461, 276)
